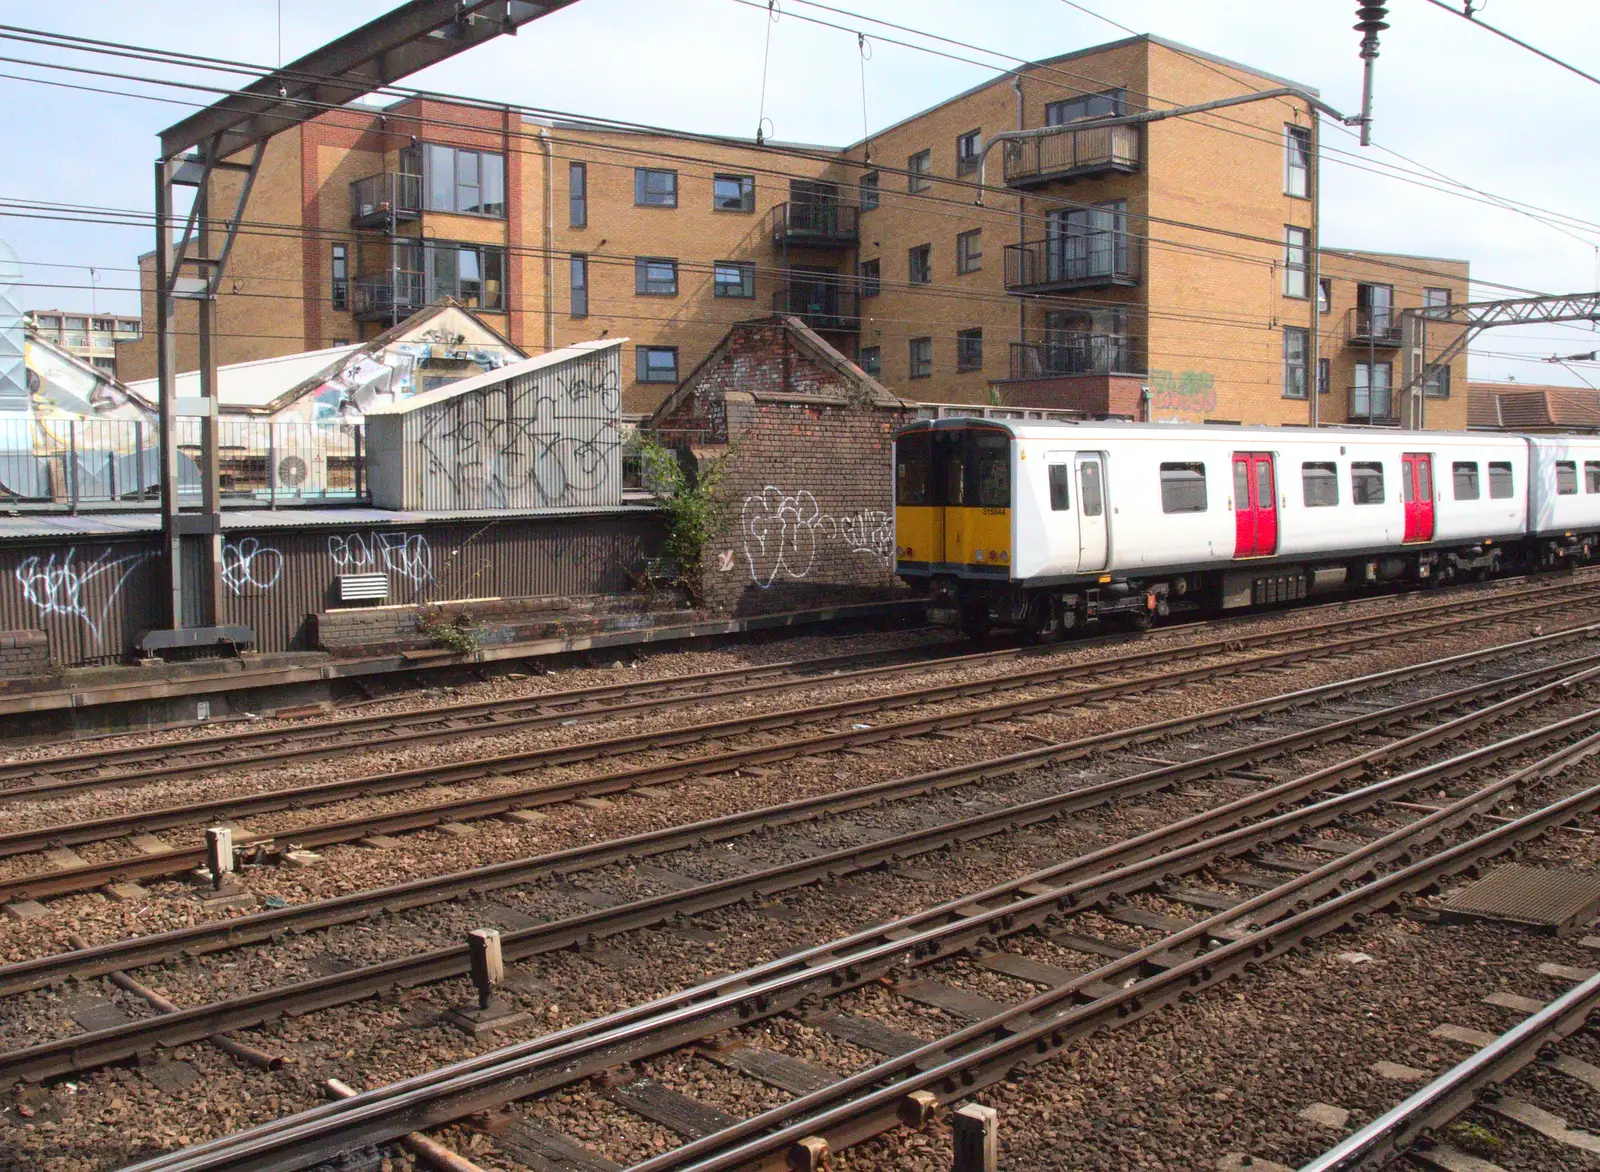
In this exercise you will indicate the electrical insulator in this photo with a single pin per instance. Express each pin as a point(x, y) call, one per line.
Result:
point(1370, 22)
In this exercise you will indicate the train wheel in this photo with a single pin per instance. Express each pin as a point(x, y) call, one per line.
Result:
point(1045, 622)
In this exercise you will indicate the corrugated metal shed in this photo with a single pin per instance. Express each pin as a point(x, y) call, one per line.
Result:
point(544, 433)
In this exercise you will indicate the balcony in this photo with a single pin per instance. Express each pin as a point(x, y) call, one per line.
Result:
point(1095, 260)
point(822, 305)
point(1372, 327)
point(815, 224)
point(1064, 153)
point(378, 200)
point(1074, 354)
point(389, 297)
point(1374, 410)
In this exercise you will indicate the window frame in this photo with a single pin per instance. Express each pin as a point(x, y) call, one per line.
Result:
point(642, 367)
point(578, 284)
point(969, 149)
point(1571, 468)
point(577, 195)
point(1296, 272)
point(1324, 376)
point(871, 365)
point(919, 171)
point(339, 283)
point(965, 340)
point(968, 260)
point(1118, 102)
point(919, 367)
point(1509, 473)
point(1327, 474)
point(1060, 487)
point(430, 155)
point(1474, 480)
point(870, 283)
point(1591, 477)
point(642, 281)
point(641, 187)
point(488, 257)
point(1179, 477)
point(871, 182)
point(747, 279)
point(1293, 135)
point(1370, 369)
point(747, 192)
point(926, 253)
point(1296, 366)
point(1429, 304)
point(1363, 471)
point(1324, 295)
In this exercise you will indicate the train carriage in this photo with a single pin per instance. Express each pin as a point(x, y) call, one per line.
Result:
point(1047, 526)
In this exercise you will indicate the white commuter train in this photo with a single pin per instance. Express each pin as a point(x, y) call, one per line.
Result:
point(1046, 526)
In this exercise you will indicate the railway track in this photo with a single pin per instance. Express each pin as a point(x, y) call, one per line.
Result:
point(1532, 688)
point(174, 861)
point(59, 774)
point(924, 959)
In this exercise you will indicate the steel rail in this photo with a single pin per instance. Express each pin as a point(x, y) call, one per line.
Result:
point(929, 657)
point(589, 750)
point(208, 937)
point(516, 1071)
point(1389, 1136)
point(81, 878)
point(86, 1051)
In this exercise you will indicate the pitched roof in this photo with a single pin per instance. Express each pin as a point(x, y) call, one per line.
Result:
point(490, 378)
point(1519, 407)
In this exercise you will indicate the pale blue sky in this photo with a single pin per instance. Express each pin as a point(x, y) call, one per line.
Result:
point(1450, 96)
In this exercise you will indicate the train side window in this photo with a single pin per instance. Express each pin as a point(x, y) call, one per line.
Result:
point(1566, 477)
point(1366, 483)
point(1500, 483)
point(1089, 488)
point(991, 470)
point(1183, 488)
point(1466, 477)
point(913, 469)
point(1060, 478)
point(1320, 483)
point(1591, 476)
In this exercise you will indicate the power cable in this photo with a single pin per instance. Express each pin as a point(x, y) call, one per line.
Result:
point(1467, 15)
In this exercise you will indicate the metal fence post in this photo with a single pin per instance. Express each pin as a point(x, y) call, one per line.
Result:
point(138, 457)
point(72, 465)
point(272, 464)
point(361, 478)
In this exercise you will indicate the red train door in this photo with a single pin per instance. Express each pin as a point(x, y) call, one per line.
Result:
point(1255, 511)
point(1416, 490)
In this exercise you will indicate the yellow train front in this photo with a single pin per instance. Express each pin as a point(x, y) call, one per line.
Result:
point(952, 518)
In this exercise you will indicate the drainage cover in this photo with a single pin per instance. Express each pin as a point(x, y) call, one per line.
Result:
point(1554, 901)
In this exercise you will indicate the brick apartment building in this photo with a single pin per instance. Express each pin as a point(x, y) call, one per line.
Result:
point(1163, 270)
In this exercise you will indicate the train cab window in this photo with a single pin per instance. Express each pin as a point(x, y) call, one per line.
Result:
point(990, 470)
point(1466, 477)
point(1591, 476)
point(1366, 483)
point(1060, 479)
point(1089, 488)
point(1183, 488)
point(1500, 484)
point(1566, 477)
point(1320, 483)
point(913, 469)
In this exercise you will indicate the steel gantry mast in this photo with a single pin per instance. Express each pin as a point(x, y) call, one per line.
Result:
point(228, 140)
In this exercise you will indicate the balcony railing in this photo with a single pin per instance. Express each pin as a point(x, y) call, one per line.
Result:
point(1092, 260)
point(1375, 408)
point(1065, 153)
point(822, 305)
point(1074, 354)
point(389, 296)
point(1373, 327)
point(378, 199)
point(816, 224)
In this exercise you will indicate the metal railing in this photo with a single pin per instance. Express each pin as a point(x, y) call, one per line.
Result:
point(1074, 354)
point(63, 464)
point(378, 197)
point(1072, 262)
point(1372, 327)
point(1065, 153)
point(1374, 407)
point(822, 305)
point(827, 223)
point(396, 294)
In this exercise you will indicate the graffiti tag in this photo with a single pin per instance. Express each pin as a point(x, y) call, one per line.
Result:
point(781, 531)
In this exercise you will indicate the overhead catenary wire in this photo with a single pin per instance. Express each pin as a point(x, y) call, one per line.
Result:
point(1469, 16)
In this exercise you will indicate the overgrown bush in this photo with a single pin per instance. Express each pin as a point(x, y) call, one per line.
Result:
point(695, 512)
point(454, 635)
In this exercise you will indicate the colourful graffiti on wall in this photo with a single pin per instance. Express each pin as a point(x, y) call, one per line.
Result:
point(1187, 396)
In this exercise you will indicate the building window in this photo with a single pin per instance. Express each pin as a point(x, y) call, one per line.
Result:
point(871, 277)
point(653, 188)
point(1366, 483)
point(872, 360)
point(1319, 482)
point(969, 349)
point(919, 264)
point(869, 191)
point(472, 183)
point(1296, 242)
point(1466, 480)
point(733, 193)
point(969, 251)
point(656, 364)
point(469, 273)
point(1436, 383)
point(1566, 477)
point(340, 292)
point(1324, 294)
point(1370, 397)
point(1295, 344)
point(1297, 161)
point(921, 166)
point(735, 278)
point(1436, 303)
point(1324, 375)
point(921, 357)
point(1109, 104)
point(1183, 488)
point(580, 285)
point(578, 195)
point(969, 146)
point(655, 276)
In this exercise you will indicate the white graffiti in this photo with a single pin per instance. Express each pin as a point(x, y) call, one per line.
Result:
point(249, 565)
point(781, 532)
point(407, 555)
point(85, 589)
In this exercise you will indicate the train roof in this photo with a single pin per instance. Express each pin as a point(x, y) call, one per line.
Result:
point(1265, 435)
